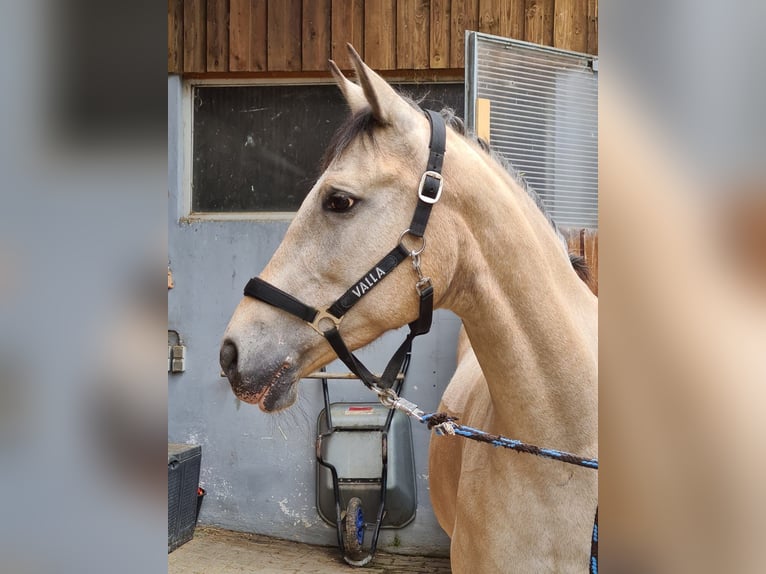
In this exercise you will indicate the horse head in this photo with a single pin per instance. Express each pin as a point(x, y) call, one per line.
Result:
point(359, 208)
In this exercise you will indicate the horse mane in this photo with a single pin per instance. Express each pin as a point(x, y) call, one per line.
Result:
point(580, 265)
point(363, 123)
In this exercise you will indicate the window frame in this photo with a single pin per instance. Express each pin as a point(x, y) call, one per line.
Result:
point(188, 154)
point(187, 101)
point(552, 193)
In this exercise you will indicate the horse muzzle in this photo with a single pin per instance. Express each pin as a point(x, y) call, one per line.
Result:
point(269, 383)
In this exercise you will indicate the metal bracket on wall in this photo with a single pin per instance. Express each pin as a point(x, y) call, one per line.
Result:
point(176, 352)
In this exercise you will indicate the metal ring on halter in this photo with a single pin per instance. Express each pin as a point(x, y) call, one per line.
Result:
point(386, 396)
point(413, 252)
point(323, 315)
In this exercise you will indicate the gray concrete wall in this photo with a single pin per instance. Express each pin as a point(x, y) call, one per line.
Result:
point(258, 469)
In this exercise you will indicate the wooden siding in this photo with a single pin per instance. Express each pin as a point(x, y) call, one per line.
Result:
point(584, 242)
point(288, 36)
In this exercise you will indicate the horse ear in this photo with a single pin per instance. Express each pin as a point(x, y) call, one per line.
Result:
point(386, 104)
point(353, 93)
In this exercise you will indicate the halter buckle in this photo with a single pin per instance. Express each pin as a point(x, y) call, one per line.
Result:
point(322, 315)
point(436, 175)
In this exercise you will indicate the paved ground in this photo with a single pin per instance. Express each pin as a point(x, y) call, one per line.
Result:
point(215, 551)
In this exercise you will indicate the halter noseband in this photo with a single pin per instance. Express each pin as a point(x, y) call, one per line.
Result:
point(327, 321)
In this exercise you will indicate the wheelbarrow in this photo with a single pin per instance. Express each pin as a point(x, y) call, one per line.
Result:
point(366, 468)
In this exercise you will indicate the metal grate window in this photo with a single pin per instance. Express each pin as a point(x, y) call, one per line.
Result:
point(256, 148)
point(543, 119)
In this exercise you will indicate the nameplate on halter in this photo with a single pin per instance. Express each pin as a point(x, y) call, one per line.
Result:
point(368, 282)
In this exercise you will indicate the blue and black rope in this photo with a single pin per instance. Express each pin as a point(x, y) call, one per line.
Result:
point(443, 421)
point(437, 419)
point(594, 547)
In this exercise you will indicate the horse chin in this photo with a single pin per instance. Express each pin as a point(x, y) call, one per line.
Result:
point(272, 390)
point(277, 399)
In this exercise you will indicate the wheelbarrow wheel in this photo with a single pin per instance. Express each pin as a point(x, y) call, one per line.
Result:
point(354, 528)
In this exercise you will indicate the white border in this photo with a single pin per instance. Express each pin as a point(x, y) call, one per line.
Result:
point(186, 118)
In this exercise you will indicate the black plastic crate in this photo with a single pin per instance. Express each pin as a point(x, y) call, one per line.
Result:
point(184, 462)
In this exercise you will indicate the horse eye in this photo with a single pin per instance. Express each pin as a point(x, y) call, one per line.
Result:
point(339, 203)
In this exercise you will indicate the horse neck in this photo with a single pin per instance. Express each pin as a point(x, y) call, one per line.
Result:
point(531, 321)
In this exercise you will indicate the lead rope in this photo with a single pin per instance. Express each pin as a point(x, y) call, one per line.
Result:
point(594, 546)
point(443, 424)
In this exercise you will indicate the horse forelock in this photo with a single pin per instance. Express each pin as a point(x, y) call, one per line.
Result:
point(361, 123)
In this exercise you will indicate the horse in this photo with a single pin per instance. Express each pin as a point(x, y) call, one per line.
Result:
point(527, 363)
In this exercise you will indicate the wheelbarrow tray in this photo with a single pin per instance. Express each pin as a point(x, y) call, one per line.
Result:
point(356, 447)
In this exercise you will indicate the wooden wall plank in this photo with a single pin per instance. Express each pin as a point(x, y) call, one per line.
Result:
point(502, 17)
point(347, 27)
point(440, 31)
point(413, 22)
point(584, 242)
point(570, 25)
point(533, 21)
point(590, 251)
point(259, 27)
point(538, 21)
point(489, 16)
point(422, 31)
point(464, 16)
point(380, 34)
point(294, 35)
point(247, 35)
point(239, 35)
point(284, 35)
point(592, 27)
point(195, 13)
point(405, 37)
point(175, 36)
point(217, 35)
point(548, 16)
point(512, 19)
point(317, 37)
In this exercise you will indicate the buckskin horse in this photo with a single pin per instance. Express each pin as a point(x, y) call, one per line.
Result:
point(491, 256)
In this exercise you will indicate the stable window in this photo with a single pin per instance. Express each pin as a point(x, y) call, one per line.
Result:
point(257, 148)
point(543, 119)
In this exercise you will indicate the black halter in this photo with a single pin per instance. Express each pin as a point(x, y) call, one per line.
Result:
point(327, 321)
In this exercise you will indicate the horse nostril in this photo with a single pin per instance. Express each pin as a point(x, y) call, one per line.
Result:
point(228, 357)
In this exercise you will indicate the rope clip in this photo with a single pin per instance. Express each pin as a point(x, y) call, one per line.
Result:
point(391, 400)
point(423, 281)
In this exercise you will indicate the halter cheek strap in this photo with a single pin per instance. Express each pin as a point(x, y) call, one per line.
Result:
point(327, 322)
